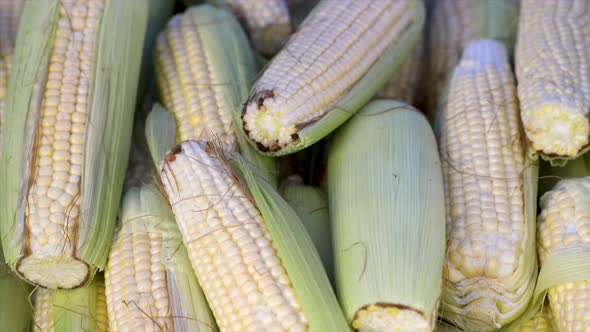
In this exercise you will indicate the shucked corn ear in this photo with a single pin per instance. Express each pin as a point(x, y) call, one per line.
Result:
point(564, 225)
point(10, 11)
point(257, 265)
point(339, 58)
point(490, 191)
point(81, 309)
point(15, 310)
point(404, 83)
point(387, 213)
point(452, 25)
point(267, 22)
point(70, 106)
point(150, 284)
point(553, 71)
point(311, 205)
point(204, 68)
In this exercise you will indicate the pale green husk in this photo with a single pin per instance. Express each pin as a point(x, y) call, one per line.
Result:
point(311, 205)
point(15, 310)
point(387, 210)
point(146, 210)
point(112, 92)
point(360, 92)
point(297, 251)
point(160, 131)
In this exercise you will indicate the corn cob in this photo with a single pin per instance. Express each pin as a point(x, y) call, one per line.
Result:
point(490, 268)
point(314, 84)
point(564, 223)
point(267, 22)
point(542, 321)
point(385, 216)
point(553, 71)
point(257, 265)
point(402, 86)
point(15, 311)
point(452, 25)
point(10, 11)
point(203, 92)
point(150, 284)
point(311, 205)
point(81, 309)
point(70, 107)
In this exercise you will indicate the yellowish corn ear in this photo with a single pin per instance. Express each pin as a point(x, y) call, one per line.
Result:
point(490, 193)
point(386, 197)
point(81, 309)
point(257, 265)
point(553, 70)
point(70, 106)
point(340, 57)
point(150, 284)
point(451, 26)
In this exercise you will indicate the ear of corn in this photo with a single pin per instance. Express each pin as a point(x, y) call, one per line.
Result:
point(490, 186)
point(253, 257)
point(70, 107)
point(150, 284)
point(10, 12)
point(206, 93)
point(553, 70)
point(563, 228)
point(313, 85)
point(267, 22)
point(452, 25)
point(387, 213)
point(402, 86)
point(311, 205)
point(15, 311)
point(81, 309)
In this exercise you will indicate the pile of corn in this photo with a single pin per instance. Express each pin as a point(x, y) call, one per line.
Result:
point(295, 165)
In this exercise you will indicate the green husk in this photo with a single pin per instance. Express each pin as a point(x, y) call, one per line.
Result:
point(386, 197)
point(296, 249)
point(146, 210)
point(360, 92)
point(15, 310)
point(73, 309)
point(113, 91)
point(311, 205)
point(160, 133)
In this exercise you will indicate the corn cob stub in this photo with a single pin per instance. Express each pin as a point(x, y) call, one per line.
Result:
point(489, 269)
point(564, 223)
point(70, 104)
point(311, 75)
point(553, 70)
point(228, 244)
